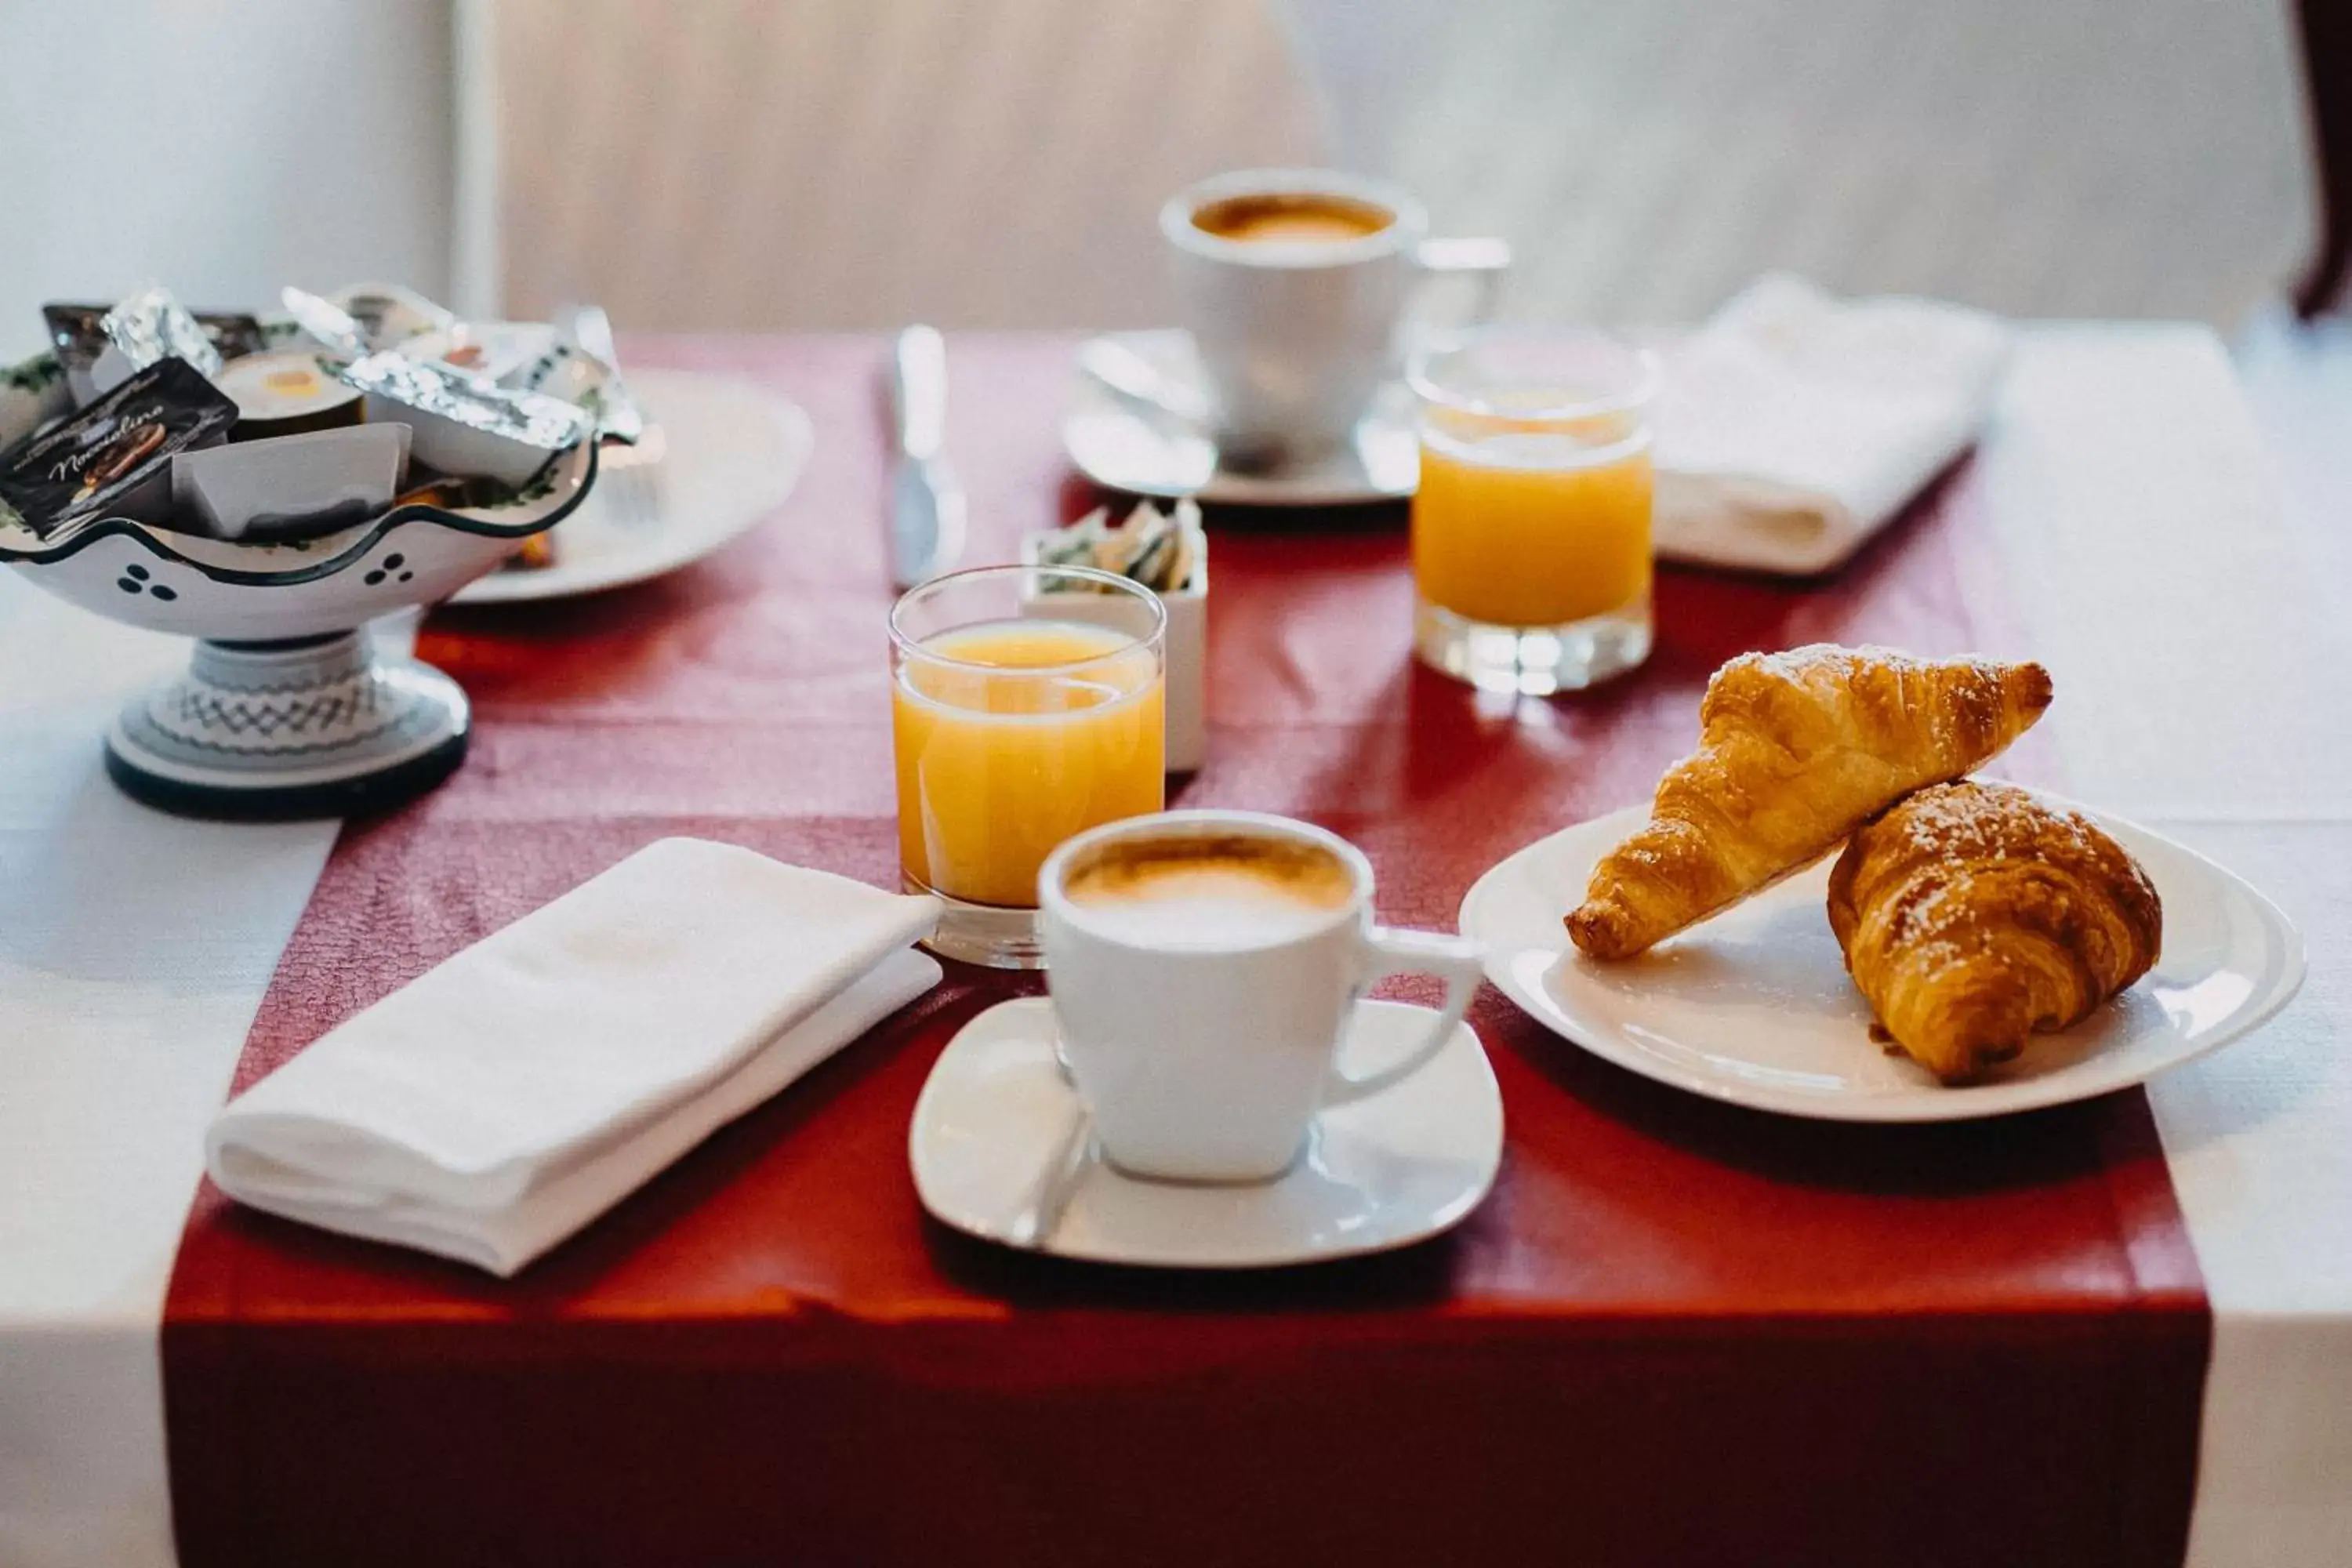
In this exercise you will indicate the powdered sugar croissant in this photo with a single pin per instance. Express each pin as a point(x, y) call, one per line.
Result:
point(1796, 751)
point(1973, 916)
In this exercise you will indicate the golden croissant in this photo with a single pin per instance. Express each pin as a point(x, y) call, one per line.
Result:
point(1796, 751)
point(1972, 915)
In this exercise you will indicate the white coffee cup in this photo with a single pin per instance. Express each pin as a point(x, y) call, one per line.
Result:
point(1204, 966)
point(1296, 338)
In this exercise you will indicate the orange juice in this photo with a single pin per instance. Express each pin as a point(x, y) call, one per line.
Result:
point(1012, 736)
point(1527, 529)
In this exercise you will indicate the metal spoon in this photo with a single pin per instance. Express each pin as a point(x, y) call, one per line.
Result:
point(1049, 1199)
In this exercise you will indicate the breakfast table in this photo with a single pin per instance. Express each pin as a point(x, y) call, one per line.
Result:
point(2119, 1331)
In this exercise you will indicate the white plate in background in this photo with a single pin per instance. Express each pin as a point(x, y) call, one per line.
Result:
point(730, 453)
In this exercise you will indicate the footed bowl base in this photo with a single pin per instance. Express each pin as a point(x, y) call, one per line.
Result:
point(312, 727)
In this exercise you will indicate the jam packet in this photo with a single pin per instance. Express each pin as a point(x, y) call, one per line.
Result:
point(113, 459)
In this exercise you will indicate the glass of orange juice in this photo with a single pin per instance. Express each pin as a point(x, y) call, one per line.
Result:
point(1531, 528)
point(1027, 705)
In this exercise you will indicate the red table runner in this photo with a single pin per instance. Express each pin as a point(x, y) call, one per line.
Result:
point(1677, 1332)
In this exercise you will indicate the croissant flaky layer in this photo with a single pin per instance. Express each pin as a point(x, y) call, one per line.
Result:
point(1796, 751)
point(1972, 916)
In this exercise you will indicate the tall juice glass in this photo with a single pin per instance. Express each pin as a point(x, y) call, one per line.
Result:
point(1027, 705)
point(1531, 528)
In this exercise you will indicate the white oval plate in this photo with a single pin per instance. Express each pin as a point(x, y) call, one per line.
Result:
point(1754, 1006)
point(1384, 1173)
point(1121, 449)
point(731, 454)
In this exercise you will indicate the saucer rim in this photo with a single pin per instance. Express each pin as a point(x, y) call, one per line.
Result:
point(1224, 486)
point(1444, 1218)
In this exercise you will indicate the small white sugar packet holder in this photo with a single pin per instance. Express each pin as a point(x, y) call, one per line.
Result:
point(497, 1103)
point(1794, 425)
point(1167, 552)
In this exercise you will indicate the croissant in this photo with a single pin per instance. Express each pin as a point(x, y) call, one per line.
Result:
point(1796, 751)
point(1972, 915)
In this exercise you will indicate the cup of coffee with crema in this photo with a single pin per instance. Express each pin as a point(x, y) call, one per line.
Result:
point(1295, 284)
point(1204, 966)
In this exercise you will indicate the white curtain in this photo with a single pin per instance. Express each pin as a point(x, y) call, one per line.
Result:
point(816, 164)
point(2038, 157)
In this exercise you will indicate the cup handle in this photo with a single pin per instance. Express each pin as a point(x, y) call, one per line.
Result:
point(1454, 959)
point(1484, 260)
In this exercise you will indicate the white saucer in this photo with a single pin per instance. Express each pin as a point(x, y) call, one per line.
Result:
point(1122, 449)
point(1385, 1172)
point(1754, 1006)
point(730, 453)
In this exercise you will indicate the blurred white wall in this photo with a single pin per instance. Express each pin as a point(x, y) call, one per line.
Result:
point(817, 164)
point(810, 163)
point(1647, 157)
point(995, 162)
point(221, 147)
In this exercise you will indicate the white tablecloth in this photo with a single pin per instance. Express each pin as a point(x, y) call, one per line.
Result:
point(2200, 634)
point(134, 948)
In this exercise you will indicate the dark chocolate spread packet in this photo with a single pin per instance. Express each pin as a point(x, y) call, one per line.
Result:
point(114, 458)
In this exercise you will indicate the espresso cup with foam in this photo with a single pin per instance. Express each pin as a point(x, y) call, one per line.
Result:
point(1204, 966)
point(1295, 284)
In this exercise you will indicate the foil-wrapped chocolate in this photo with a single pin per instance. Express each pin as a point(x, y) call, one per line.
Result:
point(113, 459)
point(78, 336)
point(367, 317)
point(151, 326)
point(464, 426)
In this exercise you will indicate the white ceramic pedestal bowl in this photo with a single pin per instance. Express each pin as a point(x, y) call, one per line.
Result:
point(287, 709)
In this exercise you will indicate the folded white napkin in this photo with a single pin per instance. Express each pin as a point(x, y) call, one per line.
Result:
point(1793, 426)
point(497, 1103)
